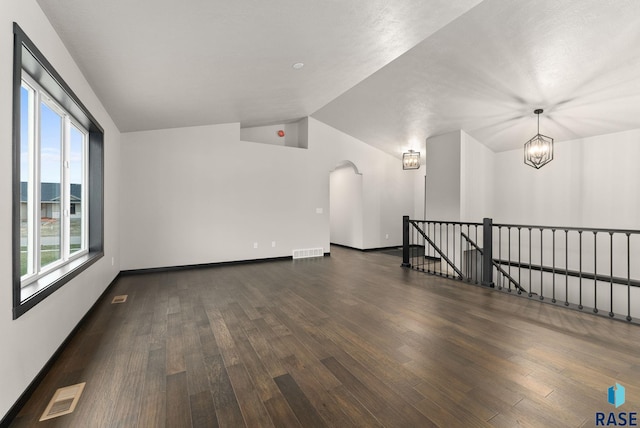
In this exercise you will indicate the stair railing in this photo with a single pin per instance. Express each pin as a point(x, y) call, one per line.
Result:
point(580, 268)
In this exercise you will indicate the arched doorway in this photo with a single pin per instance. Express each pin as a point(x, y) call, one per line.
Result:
point(345, 205)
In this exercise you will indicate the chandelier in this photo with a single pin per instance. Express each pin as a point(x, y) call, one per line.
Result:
point(538, 151)
point(411, 160)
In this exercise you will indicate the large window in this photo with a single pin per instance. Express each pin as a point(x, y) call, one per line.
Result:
point(53, 168)
point(58, 183)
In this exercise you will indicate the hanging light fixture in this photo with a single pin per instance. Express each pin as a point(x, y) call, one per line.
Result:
point(411, 160)
point(538, 151)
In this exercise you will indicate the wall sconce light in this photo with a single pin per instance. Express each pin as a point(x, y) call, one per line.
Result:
point(411, 160)
point(538, 151)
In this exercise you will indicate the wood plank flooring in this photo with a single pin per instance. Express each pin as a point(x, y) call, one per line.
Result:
point(340, 341)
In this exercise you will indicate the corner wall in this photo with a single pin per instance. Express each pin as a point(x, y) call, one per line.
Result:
point(591, 182)
point(30, 341)
point(443, 172)
point(477, 185)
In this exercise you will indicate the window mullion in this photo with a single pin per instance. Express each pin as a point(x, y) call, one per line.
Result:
point(84, 194)
point(35, 183)
point(65, 188)
point(31, 195)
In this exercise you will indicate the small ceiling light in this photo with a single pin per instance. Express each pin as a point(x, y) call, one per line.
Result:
point(411, 160)
point(538, 151)
point(297, 65)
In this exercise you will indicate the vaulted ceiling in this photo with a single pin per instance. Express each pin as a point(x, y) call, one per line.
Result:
point(390, 73)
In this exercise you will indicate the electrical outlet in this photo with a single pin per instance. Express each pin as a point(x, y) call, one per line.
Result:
point(386, 236)
point(255, 245)
point(273, 244)
point(319, 210)
point(113, 261)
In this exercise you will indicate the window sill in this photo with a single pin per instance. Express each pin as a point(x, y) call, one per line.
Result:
point(35, 292)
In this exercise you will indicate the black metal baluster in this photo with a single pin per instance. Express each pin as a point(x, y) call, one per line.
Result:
point(422, 243)
point(434, 253)
point(425, 252)
point(440, 240)
point(475, 259)
point(611, 274)
point(440, 246)
point(436, 241)
point(414, 243)
point(419, 265)
point(628, 276)
point(580, 269)
point(410, 238)
point(474, 250)
point(530, 294)
point(500, 255)
point(454, 246)
point(424, 246)
point(446, 225)
point(519, 260)
point(427, 249)
point(416, 251)
point(541, 271)
point(469, 255)
point(409, 242)
point(461, 247)
point(553, 263)
point(595, 272)
point(566, 267)
point(469, 261)
point(509, 246)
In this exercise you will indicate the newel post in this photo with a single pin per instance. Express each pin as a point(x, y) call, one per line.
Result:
point(487, 250)
point(405, 242)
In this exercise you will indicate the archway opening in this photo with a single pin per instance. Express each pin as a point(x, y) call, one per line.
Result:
point(345, 206)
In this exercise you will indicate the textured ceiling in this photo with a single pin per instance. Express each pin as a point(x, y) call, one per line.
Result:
point(167, 63)
point(487, 71)
point(390, 73)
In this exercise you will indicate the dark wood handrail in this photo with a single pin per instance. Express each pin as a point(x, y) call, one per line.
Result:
point(573, 273)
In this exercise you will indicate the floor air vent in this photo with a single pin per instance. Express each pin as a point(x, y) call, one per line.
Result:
point(64, 401)
point(309, 252)
point(119, 299)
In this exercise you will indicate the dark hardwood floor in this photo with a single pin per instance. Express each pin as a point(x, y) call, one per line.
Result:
point(341, 341)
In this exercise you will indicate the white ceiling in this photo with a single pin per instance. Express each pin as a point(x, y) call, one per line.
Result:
point(390, 73)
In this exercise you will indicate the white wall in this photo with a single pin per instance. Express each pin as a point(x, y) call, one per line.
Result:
point(200, 195)
point(476, 180)
point(387, 189)
point(591, 182)
point(443, 177)
point(345, 201)
point(29, 341)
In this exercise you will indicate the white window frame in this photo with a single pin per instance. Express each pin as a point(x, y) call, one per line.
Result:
point(34, 270)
